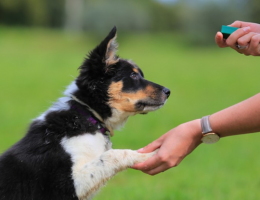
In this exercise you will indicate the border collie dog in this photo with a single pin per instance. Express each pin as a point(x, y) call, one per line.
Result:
point(66, 153)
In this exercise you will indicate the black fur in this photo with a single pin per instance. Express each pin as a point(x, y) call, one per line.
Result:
point(37, 167)
point(95, 77)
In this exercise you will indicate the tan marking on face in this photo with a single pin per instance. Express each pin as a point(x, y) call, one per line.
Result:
point(150, 91)
point(126, 101)
point(135, 70)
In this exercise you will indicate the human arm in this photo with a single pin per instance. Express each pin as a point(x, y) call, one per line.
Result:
point(247, 36)
point(241, 118)
point(177, 143)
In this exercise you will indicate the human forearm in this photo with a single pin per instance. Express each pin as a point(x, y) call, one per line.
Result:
point(241, 118)
point(177, 143)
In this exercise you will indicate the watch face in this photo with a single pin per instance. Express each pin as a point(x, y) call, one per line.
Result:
point(210, 138)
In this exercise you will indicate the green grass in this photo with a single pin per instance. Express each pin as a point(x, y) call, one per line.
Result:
point(36, 65)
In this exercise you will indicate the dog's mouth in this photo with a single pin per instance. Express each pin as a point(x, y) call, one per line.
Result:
point(152, 103)
point(145, 107)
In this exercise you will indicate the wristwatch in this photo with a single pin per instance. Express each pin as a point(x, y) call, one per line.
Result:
point(208, 136)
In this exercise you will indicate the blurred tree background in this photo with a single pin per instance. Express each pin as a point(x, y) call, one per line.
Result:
point(197, 19)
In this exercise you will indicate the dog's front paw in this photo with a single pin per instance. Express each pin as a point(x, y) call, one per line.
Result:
point(144, 156)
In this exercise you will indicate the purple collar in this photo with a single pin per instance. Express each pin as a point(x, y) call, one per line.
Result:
point(102, 129)
point(86, 113)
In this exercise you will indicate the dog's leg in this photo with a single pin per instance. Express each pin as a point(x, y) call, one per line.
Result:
point(95, 174)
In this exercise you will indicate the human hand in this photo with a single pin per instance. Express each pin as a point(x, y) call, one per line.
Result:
point(247, 37)
point(172, 147)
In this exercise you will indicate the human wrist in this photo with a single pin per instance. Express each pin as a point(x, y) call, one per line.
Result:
point(197, 129)
point(194, 129)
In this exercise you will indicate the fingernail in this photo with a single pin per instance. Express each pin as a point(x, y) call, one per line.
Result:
point(246, 29)
point(140, 149)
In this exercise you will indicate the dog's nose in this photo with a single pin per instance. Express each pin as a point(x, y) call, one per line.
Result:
point(167, 92)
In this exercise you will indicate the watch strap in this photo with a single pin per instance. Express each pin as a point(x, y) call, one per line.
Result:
point(205, 125)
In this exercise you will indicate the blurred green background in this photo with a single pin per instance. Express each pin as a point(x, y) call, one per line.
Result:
point(42, 43)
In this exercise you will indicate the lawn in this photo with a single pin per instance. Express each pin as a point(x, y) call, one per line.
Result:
point(36, 65)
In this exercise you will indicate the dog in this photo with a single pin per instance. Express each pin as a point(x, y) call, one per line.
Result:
point(67, 153)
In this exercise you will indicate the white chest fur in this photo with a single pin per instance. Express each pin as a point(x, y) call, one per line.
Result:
point(94, 162)
point(85, 148)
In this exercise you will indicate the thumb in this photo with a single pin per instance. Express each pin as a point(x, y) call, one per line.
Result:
point(150, 147)
point(219, 40)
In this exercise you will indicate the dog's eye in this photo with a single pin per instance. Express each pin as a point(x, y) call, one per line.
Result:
point(134, 75)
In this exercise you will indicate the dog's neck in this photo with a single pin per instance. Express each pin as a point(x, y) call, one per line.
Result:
point(107, 125)
point(116, 121)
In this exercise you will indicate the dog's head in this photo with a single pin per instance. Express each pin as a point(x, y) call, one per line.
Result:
point(115, 88)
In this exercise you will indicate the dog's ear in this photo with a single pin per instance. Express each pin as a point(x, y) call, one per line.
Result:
point(104, 55)
point(100, 61)
point(110, 45)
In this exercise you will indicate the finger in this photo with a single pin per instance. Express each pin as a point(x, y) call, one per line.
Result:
point(239, 24)
point(245, 40)
point(219, 40)
point(149, 164)
point(157, 170)
point(254, 46)
point(163, 167)
point(152, 146)
point(232, 39)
